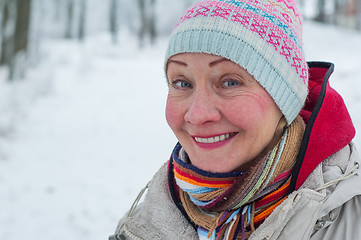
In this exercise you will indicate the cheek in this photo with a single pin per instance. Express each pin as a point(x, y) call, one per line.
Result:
point(245, 111)
point(173, 114)
point(249, 112)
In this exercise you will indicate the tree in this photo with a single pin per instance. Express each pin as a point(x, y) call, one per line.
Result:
point(69, 19)
point(358, 15)
point(15, 24)
point(18, 58)
point(22, 25)
point(151, 22)
point(82, 17)
point(143, 21)
point(1, 24)
point(321, 15)
point(113, 20)
point(147, 20)
point(8, 21)
point(337, 11)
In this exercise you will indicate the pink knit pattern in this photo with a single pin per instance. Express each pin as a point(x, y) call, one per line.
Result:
point(284, 40)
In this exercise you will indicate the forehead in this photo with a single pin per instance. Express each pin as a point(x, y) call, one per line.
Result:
point(198, 61)
point(189, 57)
point(202, 64)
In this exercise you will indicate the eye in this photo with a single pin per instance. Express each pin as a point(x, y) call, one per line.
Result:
point(181, 84)
point(230, 83)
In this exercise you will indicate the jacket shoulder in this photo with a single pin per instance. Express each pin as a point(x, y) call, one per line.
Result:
point(322, 205)
point(156, 217)
point(340, 213)
point(341, 223)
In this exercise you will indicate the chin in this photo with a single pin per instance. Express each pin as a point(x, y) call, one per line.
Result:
point(215, 168)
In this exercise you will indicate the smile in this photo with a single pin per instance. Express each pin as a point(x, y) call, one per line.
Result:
point(215, 139)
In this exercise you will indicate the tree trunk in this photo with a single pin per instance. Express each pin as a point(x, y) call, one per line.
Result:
point(321, 16)
point(113, 20)
point(1, 25)
point(336, 13)
point(22, 25)
point(8, 31)
point(147, 21)
point(152, 23)
point(17, 68)
point(69, 19)
point(143, 23)
point(82, 20)
point(358, 15)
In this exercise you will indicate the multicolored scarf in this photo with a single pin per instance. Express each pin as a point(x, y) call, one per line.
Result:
point(232, 205)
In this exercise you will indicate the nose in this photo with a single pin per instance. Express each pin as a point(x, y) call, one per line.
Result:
point(202, 109)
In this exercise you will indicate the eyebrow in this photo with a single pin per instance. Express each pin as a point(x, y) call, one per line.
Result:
point(177, 62)
point(211, 64)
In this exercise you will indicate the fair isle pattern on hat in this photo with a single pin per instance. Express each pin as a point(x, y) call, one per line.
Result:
point(262, 36)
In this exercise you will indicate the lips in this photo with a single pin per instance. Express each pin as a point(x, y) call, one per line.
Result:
point(215, 139)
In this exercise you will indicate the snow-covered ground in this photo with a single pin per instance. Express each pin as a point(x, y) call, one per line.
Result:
point(96, 132)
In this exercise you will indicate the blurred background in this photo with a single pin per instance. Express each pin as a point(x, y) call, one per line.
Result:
point(82, 98)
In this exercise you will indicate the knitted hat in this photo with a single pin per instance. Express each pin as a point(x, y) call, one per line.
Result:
point(262, 36)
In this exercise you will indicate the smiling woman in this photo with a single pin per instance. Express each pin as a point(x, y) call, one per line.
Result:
point(265, 144)
point(214, 106)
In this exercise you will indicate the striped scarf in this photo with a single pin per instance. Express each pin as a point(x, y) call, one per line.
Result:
point(232, 205)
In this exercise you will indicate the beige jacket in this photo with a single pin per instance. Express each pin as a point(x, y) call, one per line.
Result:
point(327, 206)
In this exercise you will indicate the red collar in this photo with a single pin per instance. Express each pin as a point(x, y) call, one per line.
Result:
point(329, 126)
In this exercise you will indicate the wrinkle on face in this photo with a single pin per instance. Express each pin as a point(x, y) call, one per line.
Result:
point(220, 97)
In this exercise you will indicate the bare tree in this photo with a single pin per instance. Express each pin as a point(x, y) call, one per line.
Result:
point(82, 20)
point(36, 32)
point(113, 20)
point(14, 35)
point(18, 57)
point(69, 19)
point(321, 15)
point(1, 23)
point(22, 25)
point(337, 11)
point(151, 22)
point(143, 21)
point(147, 20)
point(7, 30)
point(358, 15)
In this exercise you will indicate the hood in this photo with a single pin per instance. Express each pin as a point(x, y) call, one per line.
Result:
point(328, 124)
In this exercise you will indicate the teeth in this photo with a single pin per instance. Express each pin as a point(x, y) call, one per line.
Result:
point(222, 137)
point(214, 139)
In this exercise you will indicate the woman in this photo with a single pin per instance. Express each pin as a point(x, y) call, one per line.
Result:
point(264, 148)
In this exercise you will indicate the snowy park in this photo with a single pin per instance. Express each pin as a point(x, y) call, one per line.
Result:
point(92, 132)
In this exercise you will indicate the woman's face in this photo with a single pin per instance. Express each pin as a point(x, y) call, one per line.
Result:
point(220, 114)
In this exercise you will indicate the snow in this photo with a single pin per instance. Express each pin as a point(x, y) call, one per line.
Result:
point(89, 130)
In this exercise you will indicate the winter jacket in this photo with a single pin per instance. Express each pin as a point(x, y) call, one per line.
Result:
point(325, 202)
